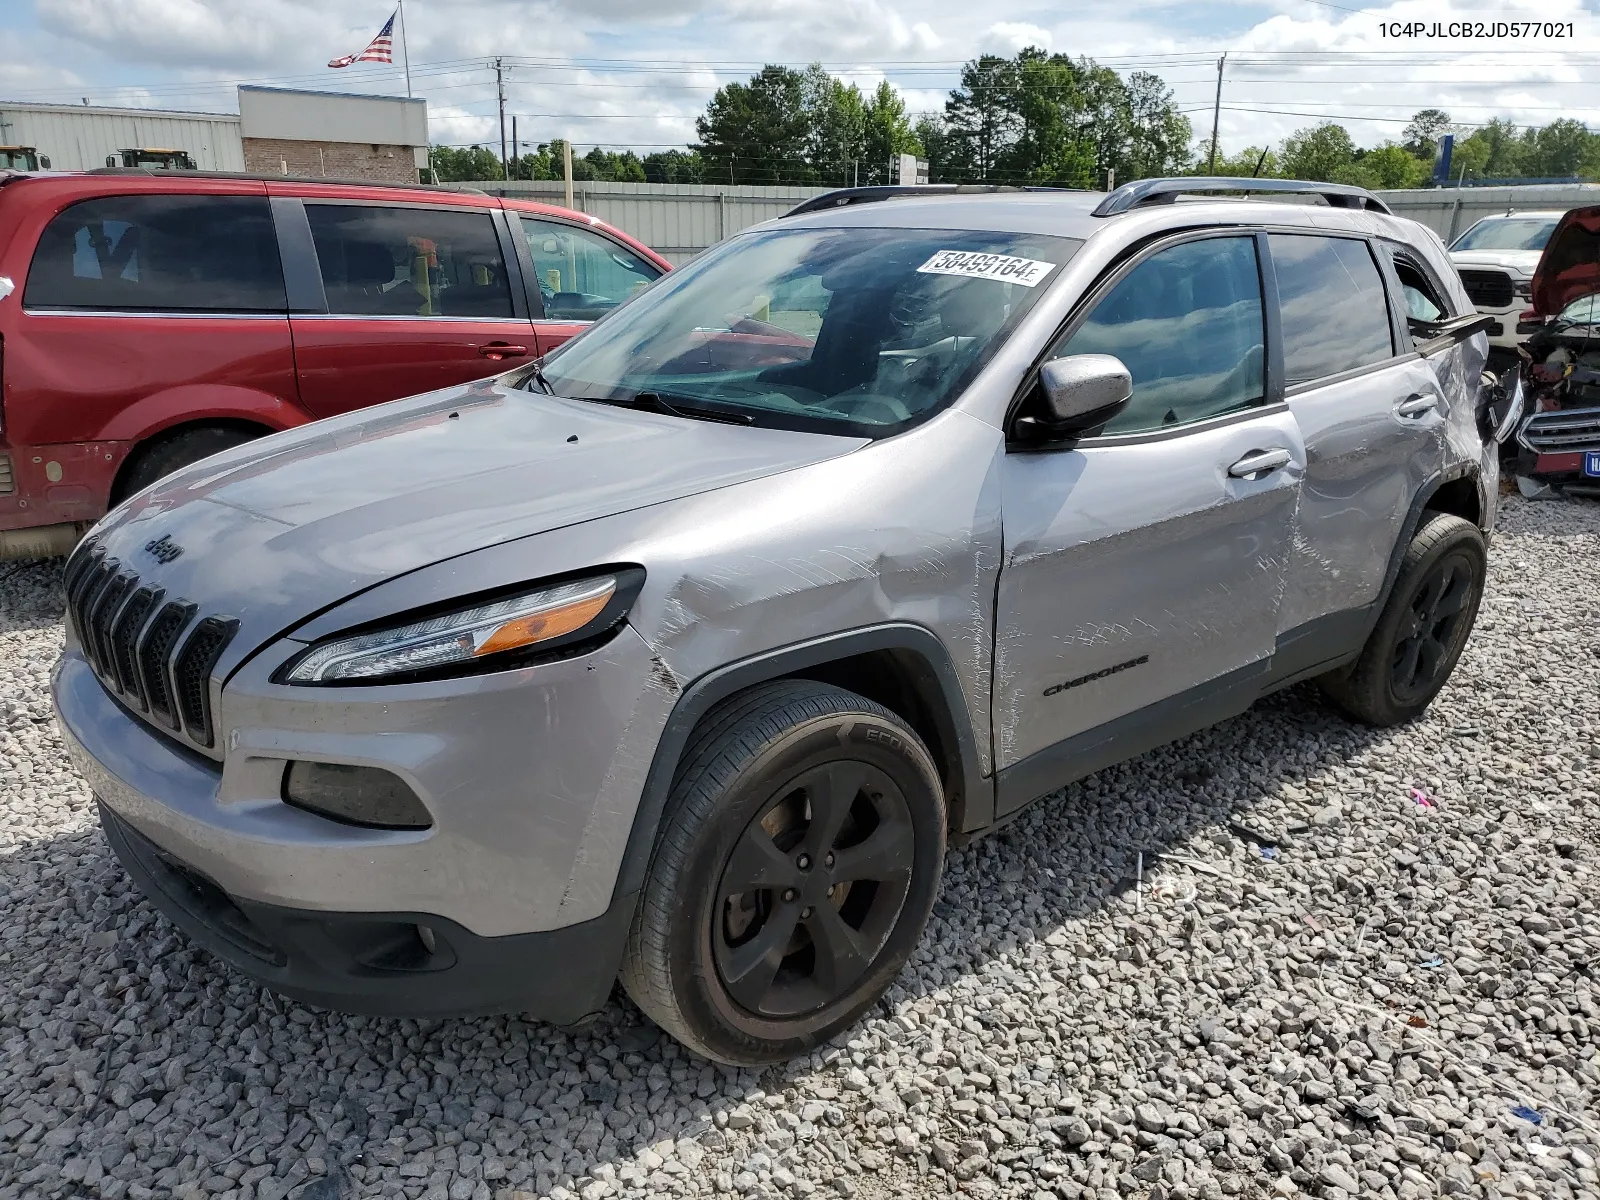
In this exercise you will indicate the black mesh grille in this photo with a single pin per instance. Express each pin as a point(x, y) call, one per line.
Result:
point(106, 591)
point(191, 675)
point(82, 559)
point(124, 636)
point(132, 641)
point(1488, 289)
point(154, 652)
point(81, 592)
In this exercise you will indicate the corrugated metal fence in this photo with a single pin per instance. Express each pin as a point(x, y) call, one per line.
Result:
point(1451, 211)
point(679, 220)
point(676, 220)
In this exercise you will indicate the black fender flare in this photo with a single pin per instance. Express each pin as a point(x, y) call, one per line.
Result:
point(1413, 522)
point(697, 699)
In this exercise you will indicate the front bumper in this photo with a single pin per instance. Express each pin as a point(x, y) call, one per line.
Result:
point(532, 778)
point(380, 963)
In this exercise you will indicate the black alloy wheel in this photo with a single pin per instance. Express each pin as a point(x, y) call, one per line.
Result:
point(812, 889)
point(1423, 627)
point(796, 864)
point(1428, 631)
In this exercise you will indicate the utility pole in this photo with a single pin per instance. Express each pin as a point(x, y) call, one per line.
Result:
point(566, 162)
point(516, 151)
point(1216, 115)
point(500, 86)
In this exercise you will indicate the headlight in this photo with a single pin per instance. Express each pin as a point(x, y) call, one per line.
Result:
point(487, 636)
point(1522, 289)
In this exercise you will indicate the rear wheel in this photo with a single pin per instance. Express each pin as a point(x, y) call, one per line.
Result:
point(1422, 629)
point(160, 459)
point(798, 861)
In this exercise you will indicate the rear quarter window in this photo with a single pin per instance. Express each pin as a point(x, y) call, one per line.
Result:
point(1334, 314)
point(159, 254)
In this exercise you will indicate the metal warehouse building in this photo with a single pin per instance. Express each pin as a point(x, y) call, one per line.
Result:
point(278, 131)
point(78, 137)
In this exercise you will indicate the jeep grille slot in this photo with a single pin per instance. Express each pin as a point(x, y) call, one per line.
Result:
point(154, 653)
point(133, 639)
point(1562, 432)
point(1488, 289)
point(8, 481)
point(124, 666)
point(191, 676)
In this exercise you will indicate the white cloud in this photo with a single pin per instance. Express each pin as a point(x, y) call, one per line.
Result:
point(1008, 37)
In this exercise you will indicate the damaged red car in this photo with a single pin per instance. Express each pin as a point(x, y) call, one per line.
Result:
point(1558, 443)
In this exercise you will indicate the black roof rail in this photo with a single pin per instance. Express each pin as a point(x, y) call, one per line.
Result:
point(179, 173)
point(1164, 191)
point(866, 195)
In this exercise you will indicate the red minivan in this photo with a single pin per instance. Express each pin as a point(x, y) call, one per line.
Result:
point(151, 318)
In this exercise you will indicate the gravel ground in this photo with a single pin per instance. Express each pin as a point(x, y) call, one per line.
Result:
point(1392, 999)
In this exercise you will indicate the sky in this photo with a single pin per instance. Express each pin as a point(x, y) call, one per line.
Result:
point(635, 73)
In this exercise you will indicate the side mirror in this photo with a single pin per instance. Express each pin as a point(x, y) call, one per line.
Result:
point(44, 162)
point(1082, 391)
point(111, 160)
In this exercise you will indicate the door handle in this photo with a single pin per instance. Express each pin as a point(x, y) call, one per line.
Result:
point(1259, 462)
point(499, 350)
point(1417, 404)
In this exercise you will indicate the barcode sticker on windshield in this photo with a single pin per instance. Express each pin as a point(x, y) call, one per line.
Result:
point(973, 265)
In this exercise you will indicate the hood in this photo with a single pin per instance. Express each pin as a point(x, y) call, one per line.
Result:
point(1520, 261)
point(1569, 269)
point(277, 530)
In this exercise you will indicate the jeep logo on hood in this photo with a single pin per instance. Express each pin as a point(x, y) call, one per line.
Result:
point(163, 549)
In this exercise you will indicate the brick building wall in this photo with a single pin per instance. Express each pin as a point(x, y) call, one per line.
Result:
point(335, 160)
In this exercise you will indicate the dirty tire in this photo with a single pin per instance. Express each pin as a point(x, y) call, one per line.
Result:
point(157, 461)
point(763, 782)
point(1422, 629)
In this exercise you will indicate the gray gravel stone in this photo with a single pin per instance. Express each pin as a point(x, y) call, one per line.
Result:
point(1358, 1016)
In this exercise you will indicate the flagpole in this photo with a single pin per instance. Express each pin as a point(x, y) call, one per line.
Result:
point(405, 45)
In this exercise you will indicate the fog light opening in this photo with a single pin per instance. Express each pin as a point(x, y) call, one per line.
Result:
point(352, 795)
point(425, 936)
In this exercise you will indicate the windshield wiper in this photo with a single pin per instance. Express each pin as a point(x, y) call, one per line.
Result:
point(680, 406)
point(537, 375)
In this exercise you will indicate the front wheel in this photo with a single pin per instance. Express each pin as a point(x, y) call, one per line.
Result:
point(1423, 628)
point(799, 858)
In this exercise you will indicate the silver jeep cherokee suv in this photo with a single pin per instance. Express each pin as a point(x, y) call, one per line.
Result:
point(682, 655)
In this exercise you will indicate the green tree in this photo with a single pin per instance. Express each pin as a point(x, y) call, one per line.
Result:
point(1421, 138)
point(1495, 151)
point(1253, 162)
point(1159, 135)
point(757, 132)
point(837, 118)
point(980, 120)
point(1389, 166)
point(674, 166)
point(452, 164)
point(938, 148)
point(1560, 149)
point(886, 133)
point(1322, 153)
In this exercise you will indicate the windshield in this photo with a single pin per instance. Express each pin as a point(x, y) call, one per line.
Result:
point(864, 331)
point(1584, 311)
point(1507, 233)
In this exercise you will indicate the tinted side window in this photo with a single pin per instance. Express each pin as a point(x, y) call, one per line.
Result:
point(409, 262)
point(160, 253)
point(1335, 317)
point(1187, 323)
point(582, 275)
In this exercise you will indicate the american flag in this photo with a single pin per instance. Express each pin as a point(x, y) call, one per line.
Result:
point(380, 49)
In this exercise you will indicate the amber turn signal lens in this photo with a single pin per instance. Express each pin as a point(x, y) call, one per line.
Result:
point(541, 627)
